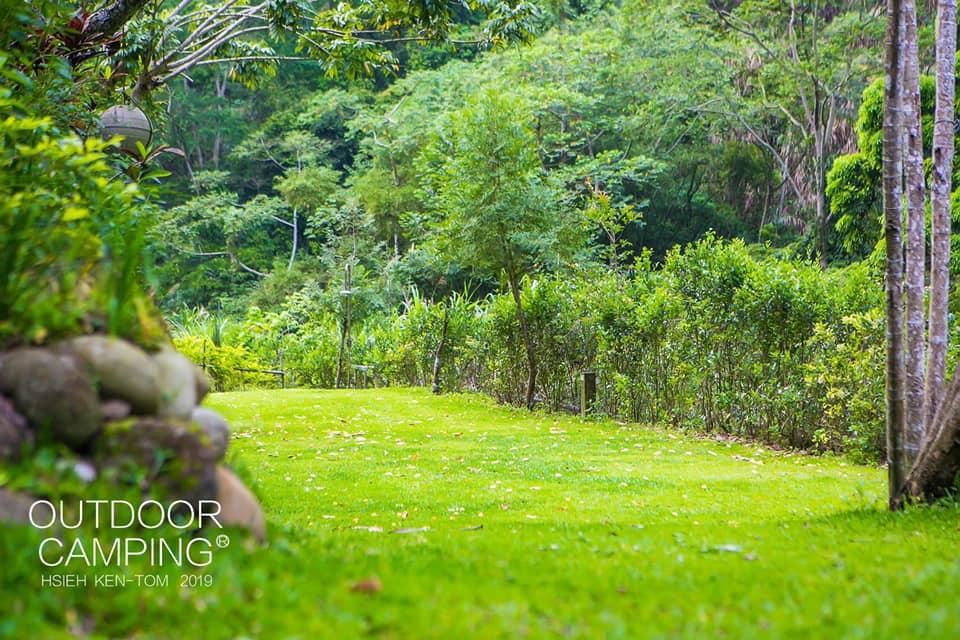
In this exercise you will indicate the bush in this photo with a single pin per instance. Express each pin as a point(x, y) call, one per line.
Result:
point(233, 354)
point(407, 343)
point(845, 375)
point(717, 339)
point(722, 341)
point(71, 247)
point(562, 336)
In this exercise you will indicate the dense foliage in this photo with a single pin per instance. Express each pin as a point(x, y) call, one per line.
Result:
point(717, 339)
point(653, 123)
point(73, 226)
point(492, 218)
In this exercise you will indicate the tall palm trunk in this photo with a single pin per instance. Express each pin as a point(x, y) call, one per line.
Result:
point(943, 132)
point(892, 185)
point(935, 471)
point(916, 233)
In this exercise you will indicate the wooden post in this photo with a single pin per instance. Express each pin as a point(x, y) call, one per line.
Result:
point(588, 392)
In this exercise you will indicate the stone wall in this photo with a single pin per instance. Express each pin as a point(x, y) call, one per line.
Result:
point(119, 408)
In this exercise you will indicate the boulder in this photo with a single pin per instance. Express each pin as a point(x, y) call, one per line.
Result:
point(14, 434)
point(115, 409)
point(14, 507)
point(178, 384)
point(122, 370)
point(215, 427)
point(238, 506)
point(171, 456)
point(52, 392)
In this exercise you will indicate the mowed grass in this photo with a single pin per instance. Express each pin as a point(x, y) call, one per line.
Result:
point(476, 520)
point(539, 525)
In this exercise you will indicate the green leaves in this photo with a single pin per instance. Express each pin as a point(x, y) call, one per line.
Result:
point(497, 209)
point(311, 189)
point(71, 247)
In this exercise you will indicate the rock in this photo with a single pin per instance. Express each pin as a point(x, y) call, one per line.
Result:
point(115, 409)
point(15, 507)
point(122, 370)
point(171, 456)
point(178, 384)
point(215, 427)
point(52, 392)
point(238, 506)
point(14, 434)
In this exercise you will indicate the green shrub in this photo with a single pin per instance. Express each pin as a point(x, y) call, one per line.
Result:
point(72, 231)
point(717, 339)
point(72, 237)
point(845, 375)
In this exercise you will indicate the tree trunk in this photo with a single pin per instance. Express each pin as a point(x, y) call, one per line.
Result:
point(934, 473)
point(525, 335)
point(344, 323)
point(916, 234)
point(111, 18)
point(293, 251)
point(822, 211)
point(438, 354)
point(892, 208)
point(940, 203)
point(220, 88)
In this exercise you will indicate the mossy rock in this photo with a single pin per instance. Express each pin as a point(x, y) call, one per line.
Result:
point(121, 370)
point(178, 384)
point(15, 436)
point(52, 392)
point(166, 457)
point(215, 427)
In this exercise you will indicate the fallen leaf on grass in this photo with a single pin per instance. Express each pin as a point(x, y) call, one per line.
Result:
point(367, 585)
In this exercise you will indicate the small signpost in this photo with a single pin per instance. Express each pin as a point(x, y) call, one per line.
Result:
point(588, 392)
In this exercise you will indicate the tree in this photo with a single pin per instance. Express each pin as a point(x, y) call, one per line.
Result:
point(305, 185)
point(153, 41)
point(935, 468)
point(892, 208)
point(804, 71)
point(349, 245)
point(212, 244)
point(496, 209)
point(920, 413)
point(943, 149)
point(912, 152)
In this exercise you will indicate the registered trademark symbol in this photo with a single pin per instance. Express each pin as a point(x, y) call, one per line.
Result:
point(223, 541)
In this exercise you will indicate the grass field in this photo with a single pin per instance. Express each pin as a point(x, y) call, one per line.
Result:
point(396, 514)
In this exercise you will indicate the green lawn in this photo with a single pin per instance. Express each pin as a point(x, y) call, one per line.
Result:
point(483, 521)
